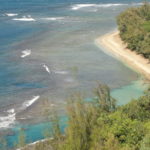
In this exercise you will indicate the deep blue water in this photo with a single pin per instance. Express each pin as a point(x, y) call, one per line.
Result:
point(60, 34)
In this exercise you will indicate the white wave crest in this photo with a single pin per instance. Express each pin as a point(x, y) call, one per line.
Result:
point(24, 18)
point(7, 121)
point(11, 111)
point(110, 5)
point(79, 6)
point(46, 68)
point(11, 14)
point(26, 53)
point(53, 18)
point(60, 72)
point(30, 102)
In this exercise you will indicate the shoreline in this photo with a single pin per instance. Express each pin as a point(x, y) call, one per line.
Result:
point(114, 45)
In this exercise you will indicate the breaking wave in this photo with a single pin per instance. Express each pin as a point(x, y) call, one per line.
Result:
point(7, 121)
point(46, 68)
point(29, 102)
point(10, 14)
point(26, 53)
point(53, 18)
point(24, 18)
point(79, 6)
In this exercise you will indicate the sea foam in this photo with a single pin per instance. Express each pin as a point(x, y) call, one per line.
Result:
point(30, 102)
point(11, 110)
point(24, 18)
point(79, 6)
point(53, 18)
point(26, 53)
point(7, 121)
point(46, 68)
point(10, 14)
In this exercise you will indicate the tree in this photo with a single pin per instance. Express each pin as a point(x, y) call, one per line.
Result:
point(106, 102)
point(145, 144)
point(21, 139)
point(134, 27)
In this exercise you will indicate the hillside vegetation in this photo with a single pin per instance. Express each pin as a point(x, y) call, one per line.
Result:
point(134, 27)
point(101, 125)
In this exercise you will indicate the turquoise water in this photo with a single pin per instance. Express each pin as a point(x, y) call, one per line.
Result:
point(35, 132)
point(129, 92)
point(47, 51)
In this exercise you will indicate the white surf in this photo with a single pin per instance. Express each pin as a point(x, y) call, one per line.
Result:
point(9, 120)
point(11, 14)
point(25, 53)
point(24, 18)
point(46, 68)
point(53, 18)
point(79, 6)
point(28, 103)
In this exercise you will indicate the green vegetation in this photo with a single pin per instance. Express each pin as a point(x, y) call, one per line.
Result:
point(134, 27)
point(146, 26)
point(21, 139)
point(101, 125)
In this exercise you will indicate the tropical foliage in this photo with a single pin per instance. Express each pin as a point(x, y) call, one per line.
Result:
point(134, 27)
point(101, 125)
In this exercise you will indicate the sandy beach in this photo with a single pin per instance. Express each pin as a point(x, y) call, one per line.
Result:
point(114, 45)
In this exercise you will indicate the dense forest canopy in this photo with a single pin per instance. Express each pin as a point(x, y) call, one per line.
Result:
point(134, 27)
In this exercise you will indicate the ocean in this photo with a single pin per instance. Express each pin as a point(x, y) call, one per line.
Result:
point(48, 52)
